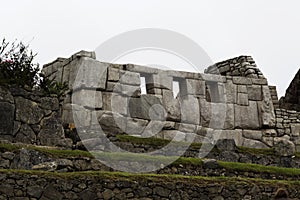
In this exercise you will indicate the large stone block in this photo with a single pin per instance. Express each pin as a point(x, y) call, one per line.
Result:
point(190, 112)
point(87, 98)
point(7, 111)
point(51, 131)
point(173, 135)
point(113, 74)
point(266, 109)
point(241, 80)
point(246, 117)
point(171, 105)
point(136, 127)
point(130, 78)
point(81, 116)
point(125, 90)
point(255, 92)
point(252, 134)
point(242, 99)
point(253, 144)
point(28, 111)
point(49, 103)
point(195, 87)
point(112, 123)
point(236, 135)
point(231, 92)
point(187, 128)
point(141, 69)
point(147, 107)
point(229, 120)
point(161, 80)
point(205, 112)
point(88, 73)
point(218, 115)
point(154, 127)
point(115, 102)
point(25, 135)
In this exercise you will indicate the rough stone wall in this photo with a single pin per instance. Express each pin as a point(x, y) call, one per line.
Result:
point(57, 186)
point(240, 66)
point(112, 92)
point(30, 117)
point(291, 100)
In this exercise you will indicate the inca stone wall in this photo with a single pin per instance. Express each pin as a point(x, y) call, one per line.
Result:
point(236, 104)
point(31, 117)
point(22, 185)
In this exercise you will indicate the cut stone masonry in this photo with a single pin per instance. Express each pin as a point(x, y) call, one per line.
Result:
point(231, 100)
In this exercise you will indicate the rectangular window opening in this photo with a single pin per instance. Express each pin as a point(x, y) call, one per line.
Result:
point(212, 92)
point(175, 88)
point(143, 85)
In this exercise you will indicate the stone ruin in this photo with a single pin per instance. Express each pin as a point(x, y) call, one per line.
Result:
point(230, 100)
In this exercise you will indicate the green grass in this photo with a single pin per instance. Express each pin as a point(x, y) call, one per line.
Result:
point(132, 157)
point(246, 167)
point(156, 142)
point(269, 152)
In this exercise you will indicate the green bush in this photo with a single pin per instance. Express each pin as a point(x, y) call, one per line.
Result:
point(16, 65)
point(17, 68)
point(49, 86)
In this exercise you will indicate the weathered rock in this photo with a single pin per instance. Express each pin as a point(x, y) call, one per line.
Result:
point(51, 131)
point(255, 92)
point(91, 99)
point(173, 135)
point(28, 111)
point(189, 109)
point(7, 111)
point(130, 78)
point(252, 134)
point(195, 87)
point(112, 123)
point(135, 126)
point(283, 147)
point(231, 92)
point(143, 106)
point(205, 112)
point(171, 105)
point(113, 74)
point(49, 103)
point(46, 166)
point(226, 145)
point(88, 73)
point(25, 135)
point(266, 109)
point(246, 117)
point(254, 144)
point(27, 158)
point(115, 102)
point(242, 99)
point(5, 95)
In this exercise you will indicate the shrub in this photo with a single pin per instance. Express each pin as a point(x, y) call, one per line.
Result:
point(17, 68)
point(16, 65)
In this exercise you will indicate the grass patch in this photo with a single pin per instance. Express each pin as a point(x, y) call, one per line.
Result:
point(246, 167)
point(269, 152)
point(157, 142)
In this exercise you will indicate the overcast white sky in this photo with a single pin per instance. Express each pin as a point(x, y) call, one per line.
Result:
point(268, 30)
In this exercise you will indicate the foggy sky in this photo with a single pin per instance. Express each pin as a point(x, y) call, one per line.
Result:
point(267, 30)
